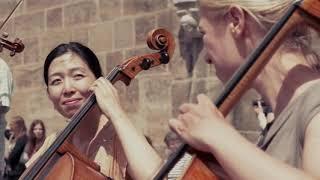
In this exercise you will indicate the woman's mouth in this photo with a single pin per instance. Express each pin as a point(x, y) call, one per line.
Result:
point(71, 101)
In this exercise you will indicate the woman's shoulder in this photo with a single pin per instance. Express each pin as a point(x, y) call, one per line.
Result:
point(51, 138)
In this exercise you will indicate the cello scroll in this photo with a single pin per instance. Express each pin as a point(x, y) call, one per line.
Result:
point(15, 47)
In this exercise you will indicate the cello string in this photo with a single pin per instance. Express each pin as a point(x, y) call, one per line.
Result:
point(5, 21)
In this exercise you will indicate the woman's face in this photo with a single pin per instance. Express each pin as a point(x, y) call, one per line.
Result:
point(69, 79)
point(38, 131)
point(14, 128)
point(219, 43)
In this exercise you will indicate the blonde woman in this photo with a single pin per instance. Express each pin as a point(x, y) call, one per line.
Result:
point(17, 142)
point(289, 83)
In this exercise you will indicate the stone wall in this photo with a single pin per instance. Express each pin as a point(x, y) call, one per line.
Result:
point(115, 30)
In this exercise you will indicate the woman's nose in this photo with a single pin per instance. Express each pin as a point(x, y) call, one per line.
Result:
point(68, 87)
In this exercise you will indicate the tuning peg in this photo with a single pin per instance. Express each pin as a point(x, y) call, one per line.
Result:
point(17, 40)
point(5, 34)
point(12, 53)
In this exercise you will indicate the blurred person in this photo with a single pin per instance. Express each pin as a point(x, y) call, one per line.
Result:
point(36, 137)
point(6, 88)
point(264, 113)
point(17, 141)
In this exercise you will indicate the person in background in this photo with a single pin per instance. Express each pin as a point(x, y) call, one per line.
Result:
point(264, 113)
point(6, 90)
point(17, 141)
point(36, 137)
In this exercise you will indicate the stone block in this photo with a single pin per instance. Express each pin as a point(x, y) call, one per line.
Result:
point(36, 4)
point(180, 94)
point(143, 6)
point(100, 37)
point(32, 50)
point(214, 87)
point(201, 67)
point(26, 78)
point(54, 18)
point(80, 35)
point(24, 104)
point(8, 28)
point(129, 96)
point(113, 59)
point(13, 61)
point(169, 20)
point(143, 25)
point(29, 24)
point(51, 39)
point(80, 13)
point(6, 7)
point(123, 32)
point(155, 91)
point(177, 67)
point(110, 9)
point(198, 86)
point(102, 60)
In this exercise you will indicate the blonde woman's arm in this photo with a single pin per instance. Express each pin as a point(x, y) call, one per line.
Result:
point(46, 144)
point(204, 127)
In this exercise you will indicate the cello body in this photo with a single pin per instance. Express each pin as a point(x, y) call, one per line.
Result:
point(70, 168)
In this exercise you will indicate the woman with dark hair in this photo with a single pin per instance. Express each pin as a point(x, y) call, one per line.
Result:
point(106, 135)
point(37, 135)
point(17, 142)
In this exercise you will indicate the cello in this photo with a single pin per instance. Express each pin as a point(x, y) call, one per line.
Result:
point(62, 160)
point(302, 11)
point(14, 47)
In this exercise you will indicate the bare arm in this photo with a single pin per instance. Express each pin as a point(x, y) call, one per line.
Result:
point(204, 127)
point(46, 144)
point(142, 158)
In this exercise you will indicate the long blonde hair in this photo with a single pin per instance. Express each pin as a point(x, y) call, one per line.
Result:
point(20, 125)
point(267, 13)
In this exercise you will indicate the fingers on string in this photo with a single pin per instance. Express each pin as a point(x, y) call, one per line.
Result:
point(108, 84)
point(186, 107)
point(176, 126)
point(93, 87)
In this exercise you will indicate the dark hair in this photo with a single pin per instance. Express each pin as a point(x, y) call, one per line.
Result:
point(171, 137)
point(255, 102)
point(265, 107)
point(32, 140)
point(84, 52)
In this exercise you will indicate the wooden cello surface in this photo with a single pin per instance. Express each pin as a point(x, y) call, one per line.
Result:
point(307, 11)
point(62, 160)
point(73, 165)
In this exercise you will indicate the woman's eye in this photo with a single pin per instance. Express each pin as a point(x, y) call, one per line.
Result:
point(55, 82)
point(78, 76)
